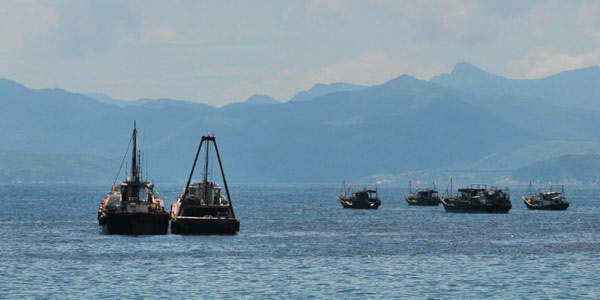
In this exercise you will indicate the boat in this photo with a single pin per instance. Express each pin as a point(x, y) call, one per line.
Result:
point(201, 208)
point(134, 206)
point(361, 199)
point(551, 198)
point(477, 198)
point(422, 197)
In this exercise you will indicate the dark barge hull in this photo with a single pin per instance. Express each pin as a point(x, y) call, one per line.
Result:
point(359, 204)
point(556, 206)
point(205, 226)
point(477, 209)
point(422, 201)
point(136, 223)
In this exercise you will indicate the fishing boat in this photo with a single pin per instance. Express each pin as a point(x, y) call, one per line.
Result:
point(551, 198)
point(133, 207)
point(361, 199)
point(422, 197)
point(477, 198)
point(201, 208)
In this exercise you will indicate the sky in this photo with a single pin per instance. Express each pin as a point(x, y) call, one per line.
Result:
point(219, 52)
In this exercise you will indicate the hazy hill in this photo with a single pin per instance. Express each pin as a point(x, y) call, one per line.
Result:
point(564, 169)
point(320, 89)
point(576, 88)
point(107, 99)
point(403, 125)
point(261, 99)
point(56, 168)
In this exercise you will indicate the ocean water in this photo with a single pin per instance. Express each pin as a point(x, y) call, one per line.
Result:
point(296, 241)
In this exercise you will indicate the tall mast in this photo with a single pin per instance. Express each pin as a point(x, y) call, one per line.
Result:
point(134, 170)
point(205, 179)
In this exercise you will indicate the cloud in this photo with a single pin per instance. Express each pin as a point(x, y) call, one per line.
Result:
point(89, 27)
point(287, 11)
point(166, 35)
point(544, 61)
point(24, 21)
point(467, 22)
point(213, 71)
point(589, 18)
point(327, 5)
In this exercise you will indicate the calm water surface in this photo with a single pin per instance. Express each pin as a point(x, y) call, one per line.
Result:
point(297, 242)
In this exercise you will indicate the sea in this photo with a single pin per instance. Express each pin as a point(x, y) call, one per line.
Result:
point(297, 242)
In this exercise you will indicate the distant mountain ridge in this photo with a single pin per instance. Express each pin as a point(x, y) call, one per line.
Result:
point(576, 88)
point(261, 99)
point(580, 169)
point(107, 99)
point(321, 89)
point(402, 126)
point(16, 167)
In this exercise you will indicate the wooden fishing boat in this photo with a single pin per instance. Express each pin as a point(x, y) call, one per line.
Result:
point(422, 197)
point(477, 198)
point(133, 207)
point(201, 208)
point(551, 198)
point(361, 199)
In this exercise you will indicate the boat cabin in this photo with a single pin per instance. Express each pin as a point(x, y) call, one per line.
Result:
point(472, 191)
point(427, 193)
point(551, 196)
point(134, 193)
point(208, 192)
point(366, 195)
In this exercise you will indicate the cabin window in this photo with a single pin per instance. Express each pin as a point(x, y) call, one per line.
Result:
point(143, 193)
point(124, 192)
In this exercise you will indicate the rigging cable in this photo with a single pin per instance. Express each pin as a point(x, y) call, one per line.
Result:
point(123, 161)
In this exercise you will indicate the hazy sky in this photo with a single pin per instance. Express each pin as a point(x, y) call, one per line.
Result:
point(219, 52)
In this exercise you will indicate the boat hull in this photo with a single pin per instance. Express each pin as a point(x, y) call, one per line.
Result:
point(205, 226)
point(136, 223)
point(421, 201)
point(476, 208)
point(554, 206)
point(346, 203)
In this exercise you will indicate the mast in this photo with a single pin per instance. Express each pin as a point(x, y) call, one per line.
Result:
point(205, 179)
point(134, 173)
point(451, 187)
point(409, 187)
point(133, 190)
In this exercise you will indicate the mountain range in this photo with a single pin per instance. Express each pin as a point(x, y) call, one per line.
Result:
point(465, 120)
point(575, 88)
